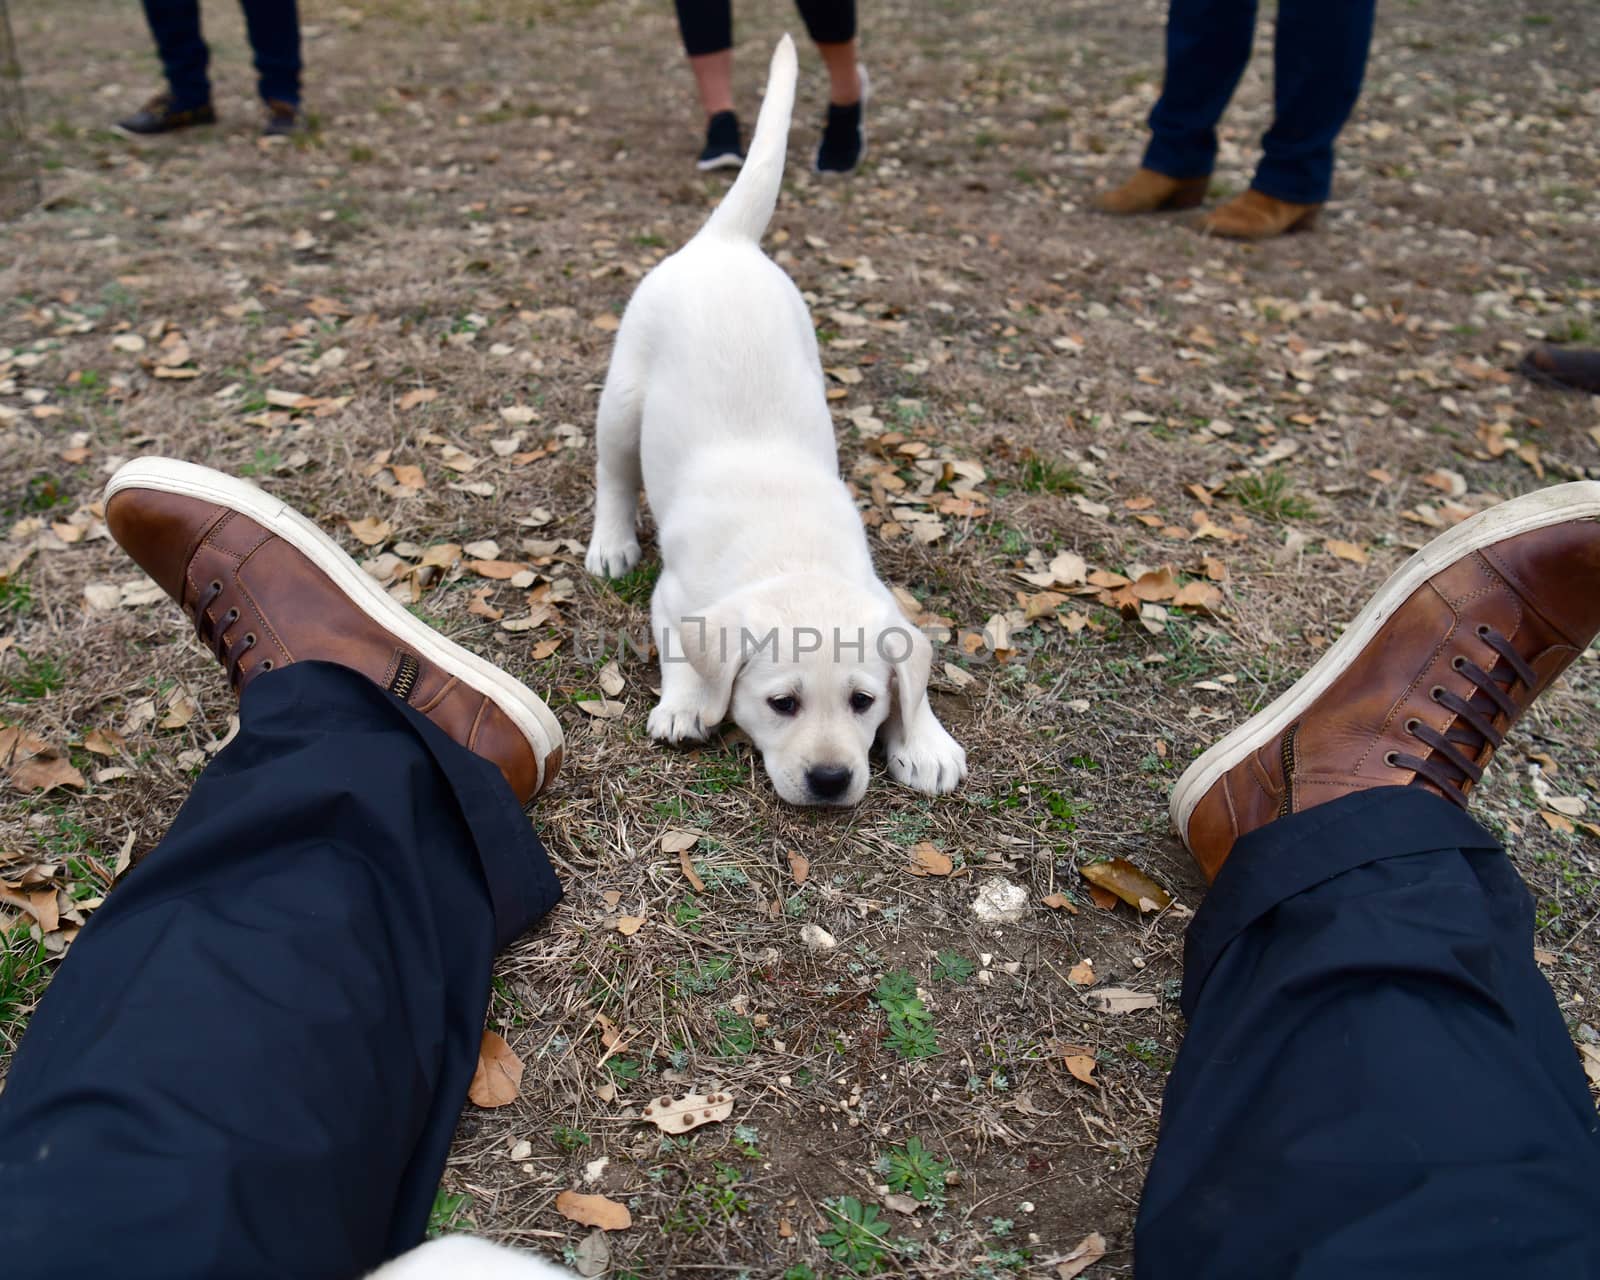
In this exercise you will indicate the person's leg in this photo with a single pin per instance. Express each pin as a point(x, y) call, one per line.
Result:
point(1208, 48)
point(175, 24)
point(707, 30)
point(252, 1061)
point(1319, 59)
point(1376, 1079)
point(274, 27)
point(831, 25)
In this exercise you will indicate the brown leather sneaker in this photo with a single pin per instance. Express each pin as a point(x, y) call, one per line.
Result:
point(1566, 368)
point(265, 587)
point(1424, 684)
point(1151, 192)
point(1256, 216)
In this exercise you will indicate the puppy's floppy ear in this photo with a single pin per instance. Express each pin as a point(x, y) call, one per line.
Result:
point(903, 646)
point(719, 644)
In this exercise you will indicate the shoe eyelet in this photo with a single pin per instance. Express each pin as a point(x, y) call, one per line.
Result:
point(1482, 630)
point(1390, 758)
point(266, 664)
point(1458, 663)
point(233, 616)
point(250, 640)
point(1437, 693)
point(1412, 725)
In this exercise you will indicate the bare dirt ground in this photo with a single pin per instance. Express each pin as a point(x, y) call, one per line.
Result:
point(400, 325)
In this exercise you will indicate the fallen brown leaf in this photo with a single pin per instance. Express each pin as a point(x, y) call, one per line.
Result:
point(1103, 898)
point(1353, 552)
point(593, 1211)
point(419, 395)
point(627, 926)
point(1059, 902)
point(499, 570)
point(680, 1115)
point(1082, 974)
point(499, 1073)
point(370, 530)
point(799, 867)
point(1133, 886)
point(1084, 1255)
point(1081, 1065)
point(104, 742)
point(926, 860)
point(1120, 1000)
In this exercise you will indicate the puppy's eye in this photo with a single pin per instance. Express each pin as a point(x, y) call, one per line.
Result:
point(861, 701)
point(784, 706)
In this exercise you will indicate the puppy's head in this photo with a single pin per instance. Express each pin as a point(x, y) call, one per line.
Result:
point(815, 668)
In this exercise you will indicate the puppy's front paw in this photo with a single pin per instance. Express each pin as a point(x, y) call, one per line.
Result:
point(611, 557)
point(932, 762)
point(678, 724)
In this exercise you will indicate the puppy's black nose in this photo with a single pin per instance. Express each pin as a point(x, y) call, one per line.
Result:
point(828, 781)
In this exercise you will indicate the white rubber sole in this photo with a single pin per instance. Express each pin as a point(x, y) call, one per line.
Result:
point(725, 161)
point(526, 710)
point(1555, 505)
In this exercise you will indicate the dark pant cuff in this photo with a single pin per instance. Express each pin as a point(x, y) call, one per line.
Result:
point(522, 884)
point(1293, 854)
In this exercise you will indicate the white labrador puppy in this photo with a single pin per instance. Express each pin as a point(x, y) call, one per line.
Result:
point(767, 605)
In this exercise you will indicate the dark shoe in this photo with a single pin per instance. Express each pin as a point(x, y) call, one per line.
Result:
point(844, 134)
point(157, 116)
point(265, 587)
point(723, 150)
point(1565, 368)
point(1151, 192)
point(283, 119)
point(1425, 684)
point(1258, 216)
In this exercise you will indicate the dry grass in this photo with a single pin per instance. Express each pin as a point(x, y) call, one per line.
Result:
point(509, 171)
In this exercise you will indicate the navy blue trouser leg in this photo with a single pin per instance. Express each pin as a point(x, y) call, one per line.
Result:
point(1319, 59)
point(274, 27)
point(1208, 48)
point(252, 1061)
point(1376, 1080)
point(175, 24)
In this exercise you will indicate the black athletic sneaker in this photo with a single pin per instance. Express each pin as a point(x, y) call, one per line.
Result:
point(283, 118)
point(157, 116)
point(844, 136)
point(723, 149)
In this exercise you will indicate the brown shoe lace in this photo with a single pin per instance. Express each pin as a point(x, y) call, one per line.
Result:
point(214, 634)
point(1448, 766)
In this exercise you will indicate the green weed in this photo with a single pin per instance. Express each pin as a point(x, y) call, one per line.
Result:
point(915, 1170)
point(911, 1032)
point(857, 1238)
point(1042, 475)
point(1271, 496)
point(951, 967)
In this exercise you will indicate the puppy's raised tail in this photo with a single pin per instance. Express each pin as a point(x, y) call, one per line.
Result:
point(747, 208)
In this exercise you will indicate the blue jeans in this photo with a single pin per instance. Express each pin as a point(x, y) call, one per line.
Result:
point(1319, 57)
point(274, 27)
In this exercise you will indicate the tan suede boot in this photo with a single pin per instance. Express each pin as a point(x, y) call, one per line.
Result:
point(1151, 192)
point(1256, 216)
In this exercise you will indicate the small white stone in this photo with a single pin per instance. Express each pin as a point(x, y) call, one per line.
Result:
point(1000, 902)
point(522, 1151)
point(816, 938)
